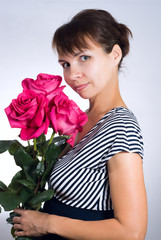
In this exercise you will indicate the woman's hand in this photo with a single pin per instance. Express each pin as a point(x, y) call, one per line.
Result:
point(31, 223)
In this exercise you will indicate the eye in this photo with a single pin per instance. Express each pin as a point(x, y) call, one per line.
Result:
point(65, 65)
point(84, 58)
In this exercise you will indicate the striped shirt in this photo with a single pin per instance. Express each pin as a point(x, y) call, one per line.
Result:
point(80, 178)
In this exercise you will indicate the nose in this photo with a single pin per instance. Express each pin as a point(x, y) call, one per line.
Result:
point(75, 73)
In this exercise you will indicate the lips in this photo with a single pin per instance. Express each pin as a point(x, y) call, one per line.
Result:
point(81, 87)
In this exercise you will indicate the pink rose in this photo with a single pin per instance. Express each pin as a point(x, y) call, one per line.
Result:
point(29, 112)
point(66, 117)
point(45, 83)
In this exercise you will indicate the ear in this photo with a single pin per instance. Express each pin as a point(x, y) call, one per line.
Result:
point(116, 54)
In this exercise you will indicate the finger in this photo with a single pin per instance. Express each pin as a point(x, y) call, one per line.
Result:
point(19, 233)
point(19, 211)
point(17, 226)
point(16, 220)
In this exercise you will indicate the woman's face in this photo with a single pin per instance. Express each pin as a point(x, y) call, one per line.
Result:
point(89, 72)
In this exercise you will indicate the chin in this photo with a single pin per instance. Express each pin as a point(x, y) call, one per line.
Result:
point(84, 96)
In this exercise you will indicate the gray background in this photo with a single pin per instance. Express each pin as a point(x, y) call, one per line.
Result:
point(26, 30)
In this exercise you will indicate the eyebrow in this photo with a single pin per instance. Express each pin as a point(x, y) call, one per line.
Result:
point(77, 53)
point(74, 55)
point(61, 60)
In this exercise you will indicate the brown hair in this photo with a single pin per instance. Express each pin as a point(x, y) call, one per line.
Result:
point(97, 25)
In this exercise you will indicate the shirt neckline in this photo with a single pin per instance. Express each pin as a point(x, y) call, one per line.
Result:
point(93, 128)
point(101, 119)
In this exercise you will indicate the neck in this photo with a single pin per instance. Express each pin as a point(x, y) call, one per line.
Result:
point(109, 99)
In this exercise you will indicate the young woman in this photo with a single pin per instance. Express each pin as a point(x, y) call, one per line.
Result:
point(99, 183)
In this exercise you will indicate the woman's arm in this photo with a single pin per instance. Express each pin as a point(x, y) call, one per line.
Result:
point(129, 202)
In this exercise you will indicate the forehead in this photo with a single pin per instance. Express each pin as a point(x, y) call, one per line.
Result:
point(89, 45)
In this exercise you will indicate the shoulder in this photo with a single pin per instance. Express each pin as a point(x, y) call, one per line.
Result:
point(124, 131)
point(123, 119)
point(122, 115)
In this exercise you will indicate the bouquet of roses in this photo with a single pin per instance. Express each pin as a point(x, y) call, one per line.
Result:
point(41, 105)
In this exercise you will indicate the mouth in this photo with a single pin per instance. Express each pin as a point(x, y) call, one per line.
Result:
point(81, 87)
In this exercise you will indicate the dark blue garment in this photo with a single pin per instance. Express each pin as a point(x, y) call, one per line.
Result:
point(54, 206)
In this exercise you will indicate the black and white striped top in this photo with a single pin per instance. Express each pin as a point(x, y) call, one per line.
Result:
point(80, 178)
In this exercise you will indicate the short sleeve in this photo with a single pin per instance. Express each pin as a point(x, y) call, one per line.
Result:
point(127, 137)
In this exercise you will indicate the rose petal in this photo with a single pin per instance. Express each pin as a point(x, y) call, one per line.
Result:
point(30, 133)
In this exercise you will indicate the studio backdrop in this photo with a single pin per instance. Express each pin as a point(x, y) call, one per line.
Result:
point(26, 31)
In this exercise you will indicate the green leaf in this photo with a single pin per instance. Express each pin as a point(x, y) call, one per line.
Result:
point(41, 197)
point(52, 153)
point(5, 144)
point(14, 147)
point(30, 179)
point(12, 199)
point(41, 147)
point(9, 200)
point(40, 169)
point(30, 150)
point(22, 187)
point(14, 185)
point(41, 138)
point(3, 187)
point(26, 183)
point(24, 160)
point(0, 209)
point(25, 195)
point(13, 232)
point(60, 140)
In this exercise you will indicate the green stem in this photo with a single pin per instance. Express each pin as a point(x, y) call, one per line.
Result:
point(35, 148)
point(37, 187)
point(43, 158)
point(51, 139)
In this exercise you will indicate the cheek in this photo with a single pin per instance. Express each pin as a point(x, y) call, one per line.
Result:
point(90, 72)
point(94, 73)
point(68, 81)
point(66, 77)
